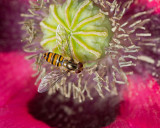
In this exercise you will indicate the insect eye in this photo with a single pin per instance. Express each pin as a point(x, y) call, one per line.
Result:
point(78, 71)
point(80, 65)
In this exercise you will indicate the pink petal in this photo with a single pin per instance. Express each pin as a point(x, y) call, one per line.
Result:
point(16, 89)
point(150, 4)
point(141, 106)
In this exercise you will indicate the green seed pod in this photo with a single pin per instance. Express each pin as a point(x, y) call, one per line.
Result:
point(87, 30)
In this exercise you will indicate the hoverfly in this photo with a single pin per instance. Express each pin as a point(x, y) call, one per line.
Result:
point(57, 60)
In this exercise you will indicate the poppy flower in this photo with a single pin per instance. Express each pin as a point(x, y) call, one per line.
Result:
point(22, 106)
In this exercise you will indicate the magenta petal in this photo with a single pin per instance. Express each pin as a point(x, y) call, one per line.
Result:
point(120, 123)
point(150, 4)
point(18, 117)
point(15, 77)
point(141, 105)
point(16, 89)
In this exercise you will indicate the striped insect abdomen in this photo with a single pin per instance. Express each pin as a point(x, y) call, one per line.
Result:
point(53, 58)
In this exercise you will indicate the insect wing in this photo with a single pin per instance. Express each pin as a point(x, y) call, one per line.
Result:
point(61, 38)
point(50, 80)
point(63, 41)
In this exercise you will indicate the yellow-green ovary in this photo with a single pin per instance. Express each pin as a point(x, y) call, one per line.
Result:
point(88, 30)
